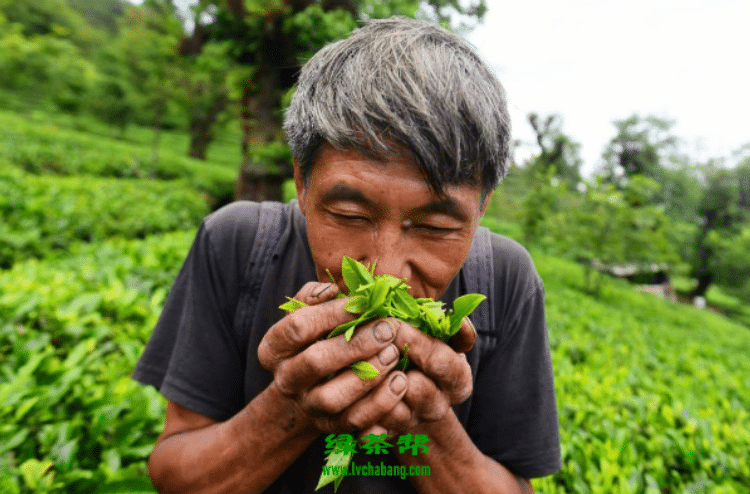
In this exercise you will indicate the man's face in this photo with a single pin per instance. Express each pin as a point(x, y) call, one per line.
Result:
point(372, 210)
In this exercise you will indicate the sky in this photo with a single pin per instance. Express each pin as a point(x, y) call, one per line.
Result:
point(594, 62)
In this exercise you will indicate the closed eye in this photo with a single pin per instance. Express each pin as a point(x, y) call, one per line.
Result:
point(349, 217)
point(435, 229)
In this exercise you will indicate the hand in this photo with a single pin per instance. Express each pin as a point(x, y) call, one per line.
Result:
point(442, 378)
point(301, 364)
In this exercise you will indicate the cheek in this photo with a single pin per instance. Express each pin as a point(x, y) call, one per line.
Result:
point(436, 268)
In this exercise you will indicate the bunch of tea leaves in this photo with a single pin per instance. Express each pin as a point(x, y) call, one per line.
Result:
point(379, 297)
point(386, 296)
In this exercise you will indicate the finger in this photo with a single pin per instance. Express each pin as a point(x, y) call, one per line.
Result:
point(329, 356)
point(399, 419)
point(424, 398)
point(450, 370)
point(298, 330)
point(364, 413)
point(340, 392)
point(314, 293)
point(464, 339)
point(373, 430)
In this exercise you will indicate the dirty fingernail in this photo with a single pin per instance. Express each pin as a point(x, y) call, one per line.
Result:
point(319, 291)
point(383, 332)
point(387, 355)
point(398, 384)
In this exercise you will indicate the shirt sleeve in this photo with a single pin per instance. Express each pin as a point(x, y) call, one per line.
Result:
point(194, 348)
point(514, 404)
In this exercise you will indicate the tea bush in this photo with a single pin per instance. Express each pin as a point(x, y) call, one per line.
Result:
point(45, 213)
point(653, 396)
point(44, 147)
point(71, 331)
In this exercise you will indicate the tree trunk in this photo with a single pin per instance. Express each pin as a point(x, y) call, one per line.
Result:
point(201, 126)
point(704, 281)
point(262, 124)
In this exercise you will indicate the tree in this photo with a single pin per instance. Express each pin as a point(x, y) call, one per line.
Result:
point(271, 38)
point(639, 148)
point(556, 150)
point(725, 220)
point(614, 225)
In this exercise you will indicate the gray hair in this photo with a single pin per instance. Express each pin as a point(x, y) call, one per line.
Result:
point(404, 84)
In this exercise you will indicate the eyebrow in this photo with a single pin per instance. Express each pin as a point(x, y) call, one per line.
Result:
point(445, 205)
point(342, 192)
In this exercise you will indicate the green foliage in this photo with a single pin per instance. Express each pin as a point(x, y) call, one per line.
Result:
point(44, 69)
point(653, 396)
point(45, 213)
point(604, 224)
point(71, 331)
point(640, 147)
point(40, 146)
point(557, 151)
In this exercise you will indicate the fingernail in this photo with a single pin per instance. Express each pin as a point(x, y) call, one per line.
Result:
point(319, 291)
point(383, 332)
point(388, 355)
point(398, 384)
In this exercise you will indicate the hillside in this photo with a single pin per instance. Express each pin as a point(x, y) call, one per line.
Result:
point(653, 396)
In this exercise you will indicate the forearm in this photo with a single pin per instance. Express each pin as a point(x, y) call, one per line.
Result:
point(457, 465)
point(232, 456)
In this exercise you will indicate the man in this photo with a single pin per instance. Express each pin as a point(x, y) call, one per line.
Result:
point(400, 134)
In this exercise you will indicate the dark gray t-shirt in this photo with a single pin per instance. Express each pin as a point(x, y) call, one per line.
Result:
point(203, 351)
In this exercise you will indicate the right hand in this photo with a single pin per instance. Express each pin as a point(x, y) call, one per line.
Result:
point(301, 364)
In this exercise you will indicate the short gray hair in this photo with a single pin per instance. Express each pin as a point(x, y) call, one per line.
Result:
point(409, 83)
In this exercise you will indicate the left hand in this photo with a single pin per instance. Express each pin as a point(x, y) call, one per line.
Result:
point(441, 378)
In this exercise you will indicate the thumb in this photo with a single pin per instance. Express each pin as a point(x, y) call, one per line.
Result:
point(464, 339)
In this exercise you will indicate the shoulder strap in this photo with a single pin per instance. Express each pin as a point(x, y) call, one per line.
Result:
point(269, 230)
point(478, 277)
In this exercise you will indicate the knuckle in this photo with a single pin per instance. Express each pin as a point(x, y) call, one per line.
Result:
point(331, 400)
point(283, 383)
point(295, 329)
point(316, 362)
point(357, 420)
point(439, 363)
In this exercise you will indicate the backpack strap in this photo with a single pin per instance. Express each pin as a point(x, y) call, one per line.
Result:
point(269, 229)
point(478, 272)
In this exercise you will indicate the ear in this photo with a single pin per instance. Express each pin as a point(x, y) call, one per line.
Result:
point(299, 184)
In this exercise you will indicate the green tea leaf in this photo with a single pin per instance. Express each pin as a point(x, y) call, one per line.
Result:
point(292, 305)
point(405, 303)
point(462, 307)
point(339, 463)
point(343, 328)
point(357, 305)
point(379, 293)
point(354, 273)
point(365, 370)
point(403, 362)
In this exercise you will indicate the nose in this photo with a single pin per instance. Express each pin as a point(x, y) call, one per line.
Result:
point(390, 249)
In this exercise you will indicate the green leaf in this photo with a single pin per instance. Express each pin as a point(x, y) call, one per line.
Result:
point(379, 293)
point(354, 273)
point(342, 328)
point(292, 305)
point(126, 486)
point(462, 307)
point(357, 305)
point(403, 362)
point(337, 461)
point(365, 370)
point(405, 303)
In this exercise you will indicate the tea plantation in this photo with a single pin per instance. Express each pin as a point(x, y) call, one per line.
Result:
point(653, 397)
